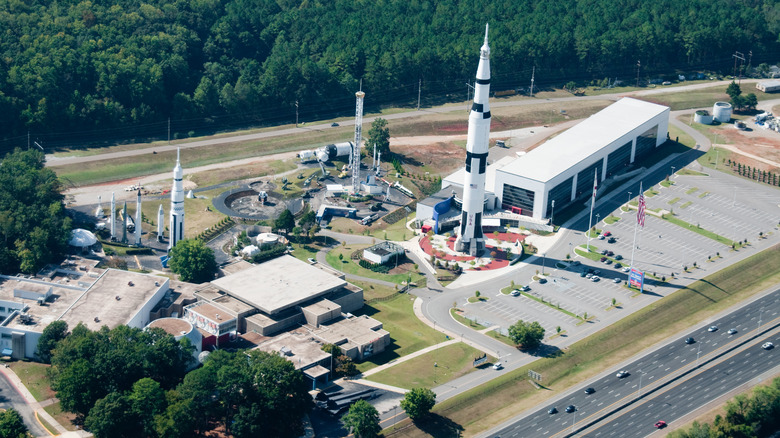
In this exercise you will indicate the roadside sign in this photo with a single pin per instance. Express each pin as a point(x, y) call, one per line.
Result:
point(480, 360)
point(534, 375)
point(637, 279)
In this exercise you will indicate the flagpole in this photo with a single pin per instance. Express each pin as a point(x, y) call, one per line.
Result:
point(592, 202)
point(636, 225)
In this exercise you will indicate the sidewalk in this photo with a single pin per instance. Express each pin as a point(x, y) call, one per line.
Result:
point(34, 404)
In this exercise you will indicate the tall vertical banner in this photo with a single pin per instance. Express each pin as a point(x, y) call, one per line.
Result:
point(637, 279)
point(640, 211)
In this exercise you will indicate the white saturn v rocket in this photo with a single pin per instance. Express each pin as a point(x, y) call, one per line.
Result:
point(176, 224)
point(470, 239)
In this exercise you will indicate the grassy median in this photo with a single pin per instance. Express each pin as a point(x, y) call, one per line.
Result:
point(500, 399)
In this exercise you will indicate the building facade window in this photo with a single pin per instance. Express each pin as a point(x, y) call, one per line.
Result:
point(645, 143)
point(618, 160)
point(561, 194)
point(585, 178)
point(518, 198)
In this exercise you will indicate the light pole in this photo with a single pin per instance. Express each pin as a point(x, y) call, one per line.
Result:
point(543, 257)
point(296, 113)
point(760, 316)
point(734, 202)
point(629, 200)
point(672, 170)
point(598, 218)
point(698, 353)
point(641, 374)
point(716, 158)
point(552, 215)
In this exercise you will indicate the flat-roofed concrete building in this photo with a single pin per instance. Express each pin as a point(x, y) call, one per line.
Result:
point(303, 351)
point(359, 337)
point(74, 292)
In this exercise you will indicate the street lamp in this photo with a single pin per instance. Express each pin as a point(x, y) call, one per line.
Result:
point(734, 202)
point(641, 374)
point(598, 218)
point(543, 257)
point(552, 215)
point(672, 170)
point(629, 200)
point(698, 353)
point(760, 316)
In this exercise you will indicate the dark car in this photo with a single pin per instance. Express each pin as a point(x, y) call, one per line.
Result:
point(608, 261)
point(552, 410)
point(589, 391)
point(611, 240)
point(604, 252)
point(610, 253)
point(583, 273)
point(618, 266)
point(603, 259)
point(618, 257)
point(334, 124)
point(689, 340)
point(570, 408)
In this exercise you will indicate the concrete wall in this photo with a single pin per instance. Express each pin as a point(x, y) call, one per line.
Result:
point(350, 302)
point(144, 315)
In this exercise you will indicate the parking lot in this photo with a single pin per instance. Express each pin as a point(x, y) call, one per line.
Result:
point(721, 203)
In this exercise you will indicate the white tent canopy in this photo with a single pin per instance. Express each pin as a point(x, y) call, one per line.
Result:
point(82, 238)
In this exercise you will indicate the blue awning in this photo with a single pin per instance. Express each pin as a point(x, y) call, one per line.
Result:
point(7, 352)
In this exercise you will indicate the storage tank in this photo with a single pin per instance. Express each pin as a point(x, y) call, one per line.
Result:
point(305, 156)
point(266, 239)
point(331, 151)
point(703, 117)
point(721, 112)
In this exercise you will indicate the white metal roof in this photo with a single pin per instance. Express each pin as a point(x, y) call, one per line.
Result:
point(584, 139)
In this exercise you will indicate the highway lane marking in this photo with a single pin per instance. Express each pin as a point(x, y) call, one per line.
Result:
point(665, 394)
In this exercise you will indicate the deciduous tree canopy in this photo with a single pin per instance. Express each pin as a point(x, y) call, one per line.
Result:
point(193, 261)
point(92, 67)
point(527, 335)
point(34, 228)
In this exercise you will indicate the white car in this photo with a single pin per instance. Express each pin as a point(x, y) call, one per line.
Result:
point(713, 328)
point(617, 280)
point(626, 268)
point(595, 278)
point(621, 374)
point(515, 293)
point(497, 366)
point(768, 346)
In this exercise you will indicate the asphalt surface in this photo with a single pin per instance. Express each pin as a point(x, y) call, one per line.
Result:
point(672, 384)
point(10, 398)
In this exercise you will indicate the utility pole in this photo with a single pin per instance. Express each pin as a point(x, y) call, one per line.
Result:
point(750, 59)
point(296, 113)
point(419, 87)
point(638, 64)
point(28, 139)
point(533, 73)
point(169, 130)
point(738, 55)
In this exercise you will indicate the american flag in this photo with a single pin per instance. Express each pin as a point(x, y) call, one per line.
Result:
point(595, 183)
point(640, 213)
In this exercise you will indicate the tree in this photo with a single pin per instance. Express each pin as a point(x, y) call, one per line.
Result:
point(379, 135)
point(418, 402)
point(362, 419)
point(733, 90)
point(750, 101)
point(147, 400)
point(308, 220)
point(12, 425)
point(34, 226)
point(112, 416)
point(193, 261)
point(285, 221)
point(52, 334)
point(526, 335)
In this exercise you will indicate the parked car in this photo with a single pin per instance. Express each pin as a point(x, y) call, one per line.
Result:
point(589, 275)
point(601, 237)
point(515, 293)
point(604, 252)
point(526, 288)
point(626, 268)
point(595, 278)
point(610, 253)
point(607, 233)
point(611, 240)
point(603, 259)
point(583, 274)
point(608, 261)
point(542, 280)
point(334, 124)
point(618, 266)
point(618, 257)
point(617, 280)
point(596, 272)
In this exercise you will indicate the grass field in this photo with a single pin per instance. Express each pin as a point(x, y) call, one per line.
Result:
point(501, 398)
point(407, 333)
point(33, 376)
point(697, 229)
point(432, 368)
point(347, 265)
point(66, 419)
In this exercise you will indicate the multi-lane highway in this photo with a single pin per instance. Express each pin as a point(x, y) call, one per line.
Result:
point(666, 383)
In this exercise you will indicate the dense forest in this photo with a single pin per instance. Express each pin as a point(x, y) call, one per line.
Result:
point(76, 71)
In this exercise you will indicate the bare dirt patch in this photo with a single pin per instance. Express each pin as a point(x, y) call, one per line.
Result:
point(759, 142)
point(439, 158)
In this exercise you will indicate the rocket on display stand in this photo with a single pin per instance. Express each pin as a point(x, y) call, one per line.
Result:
point(470, 238)
point(326, 153)
point(176, 223)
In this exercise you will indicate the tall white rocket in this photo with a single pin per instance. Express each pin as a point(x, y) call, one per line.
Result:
point(470, 238)
point(160, 226)
point(176, 223)
point(113, 217)
point(138, 216)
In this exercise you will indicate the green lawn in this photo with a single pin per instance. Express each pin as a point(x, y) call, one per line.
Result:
point(347, 265)
point(692, 190)
point(501, 398)
point(432, 368)
point(609, 220)
point(408, 334)
point(66, 419)
point(673, 201)
point(33, 376)
point(465, 321)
